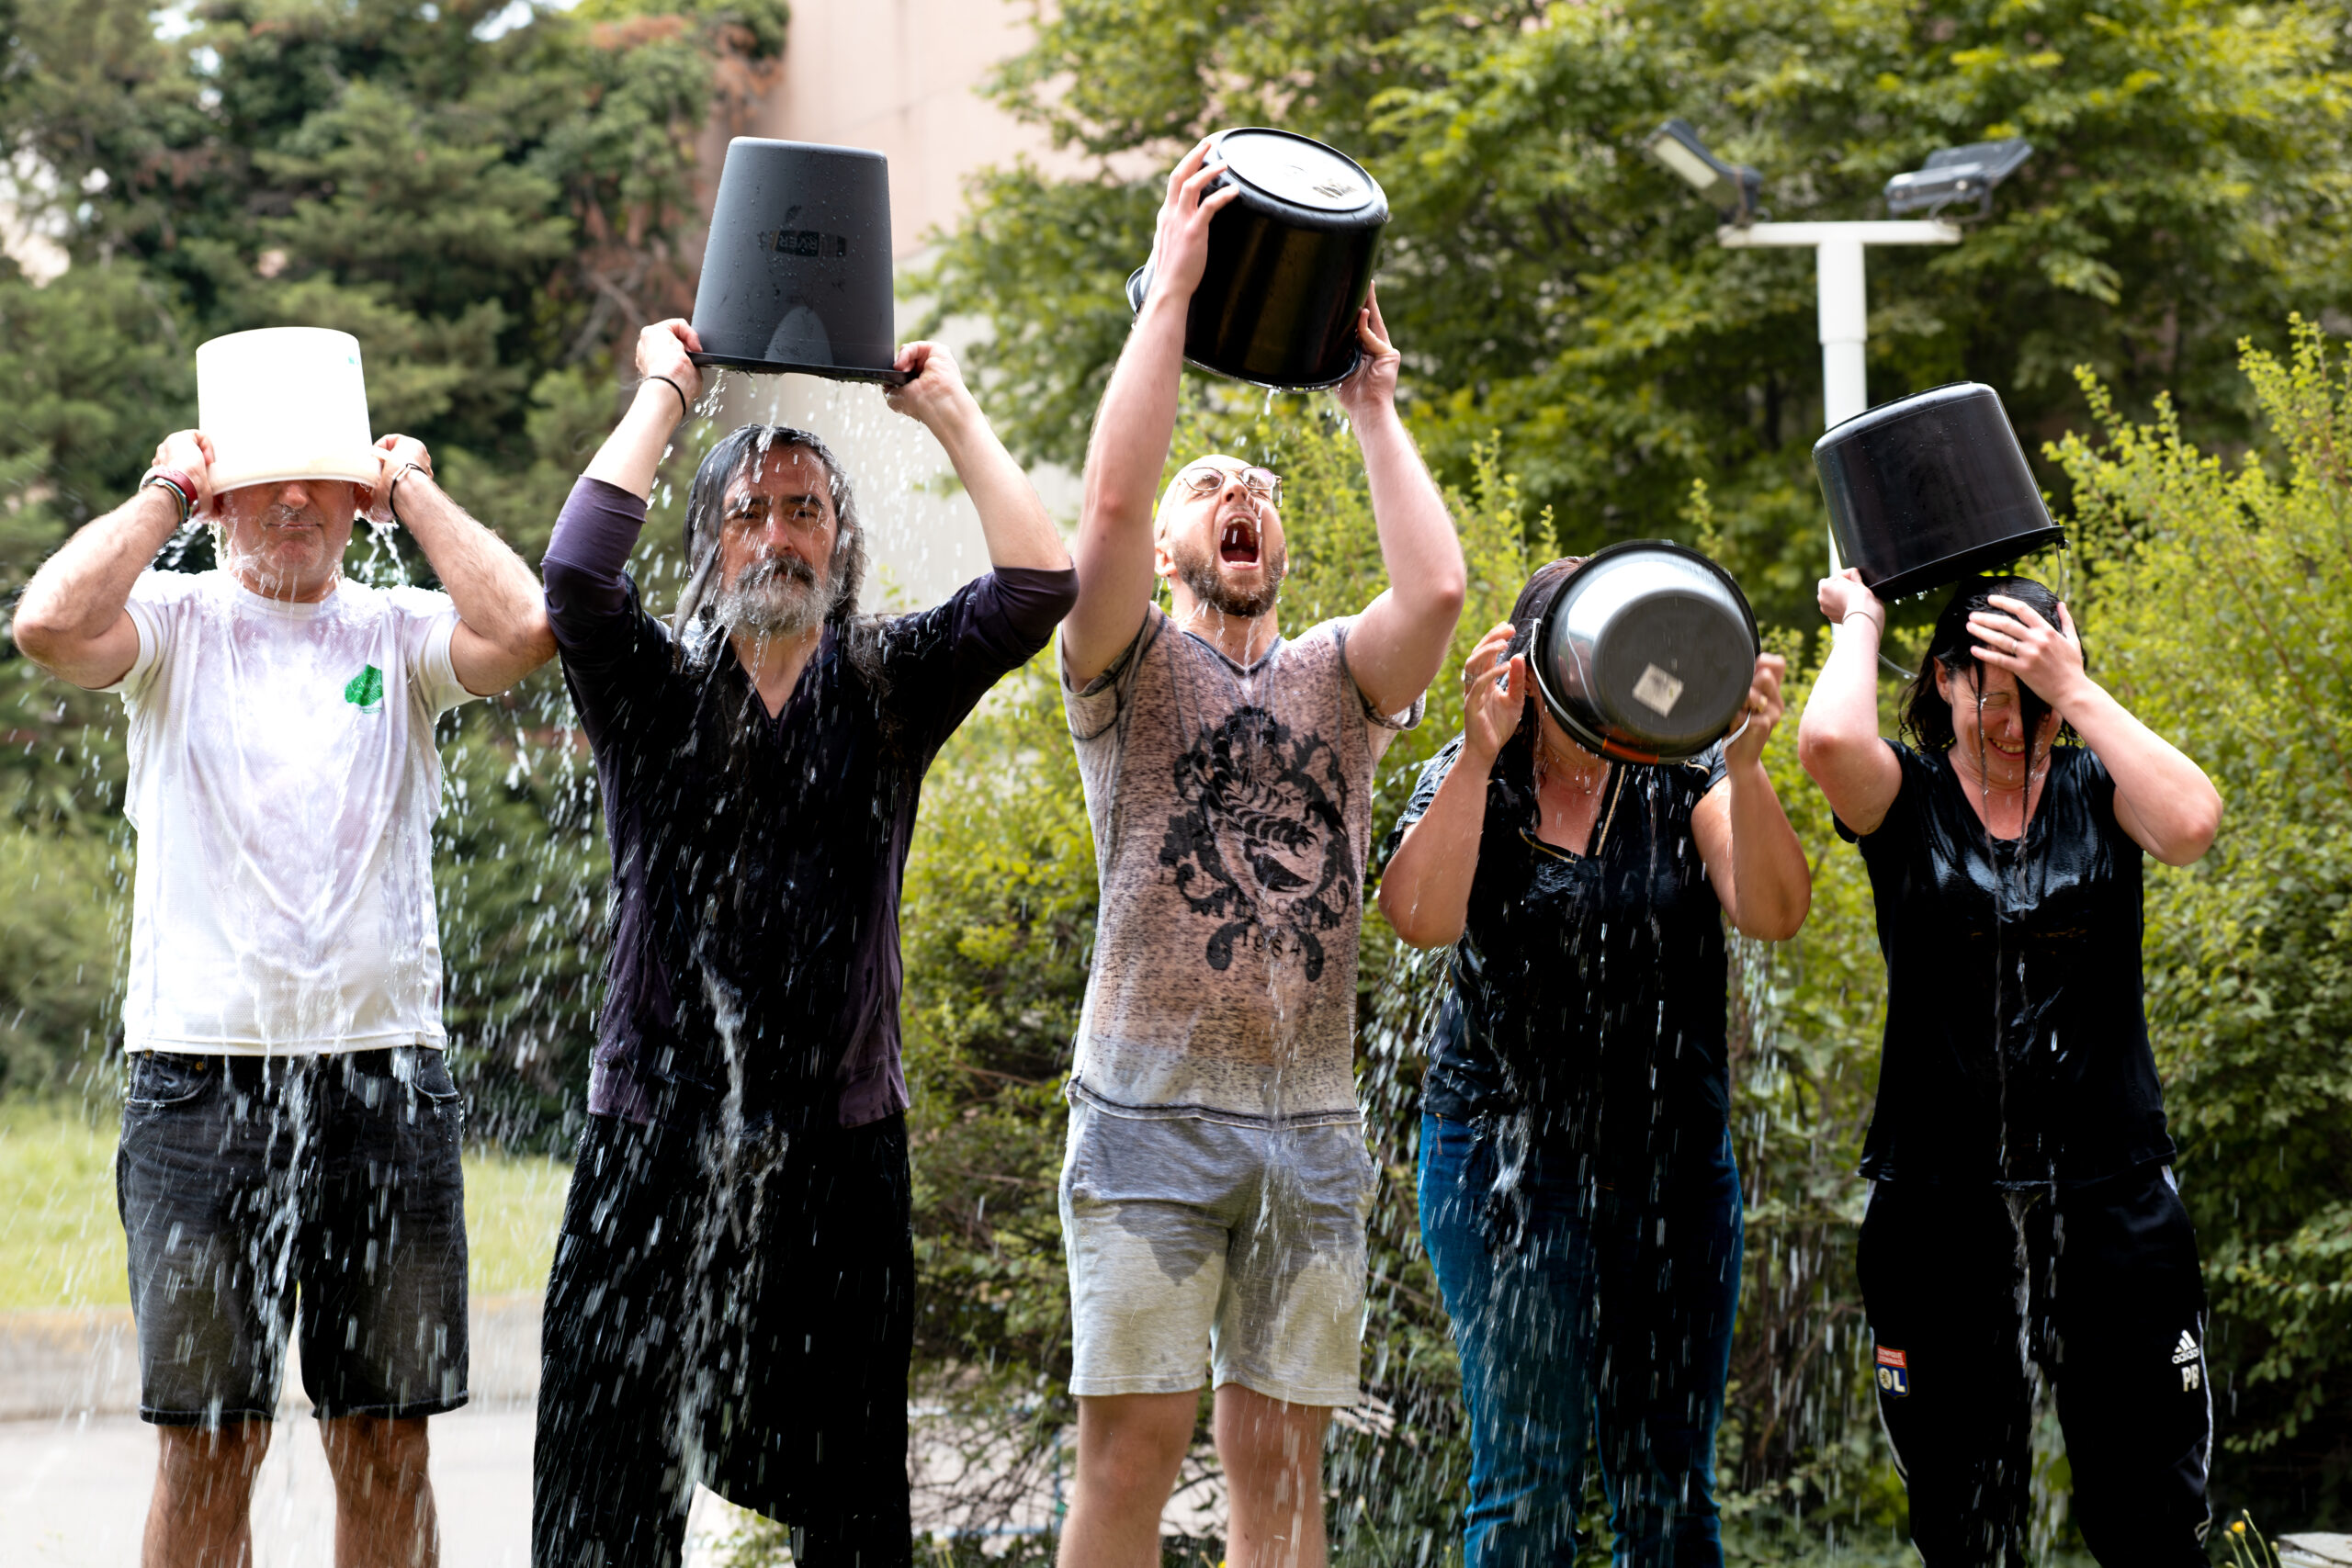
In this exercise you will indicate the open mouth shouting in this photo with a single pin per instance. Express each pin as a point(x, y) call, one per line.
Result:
point(1237, 540)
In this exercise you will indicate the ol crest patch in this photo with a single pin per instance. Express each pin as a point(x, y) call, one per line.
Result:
point(1894, 1373)
point(2192, 1368)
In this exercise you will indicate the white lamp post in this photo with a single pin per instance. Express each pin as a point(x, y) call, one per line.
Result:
point(1951, 174)
point(1841, 298)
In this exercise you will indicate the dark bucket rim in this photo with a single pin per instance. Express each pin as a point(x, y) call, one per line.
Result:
point(888, 376)
point(1947, 569)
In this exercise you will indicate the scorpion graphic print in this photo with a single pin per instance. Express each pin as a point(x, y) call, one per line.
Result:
point(1260, 843)
point(1231, 808)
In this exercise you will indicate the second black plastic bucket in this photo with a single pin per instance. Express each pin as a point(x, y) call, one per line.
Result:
point(1289, 263)
point(1930, 489)
point(796, 272)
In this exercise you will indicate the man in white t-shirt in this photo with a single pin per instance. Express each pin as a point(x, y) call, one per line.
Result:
point(290, 1133)
point(1216, 1185)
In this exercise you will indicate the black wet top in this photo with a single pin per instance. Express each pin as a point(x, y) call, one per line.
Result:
point(757, 860)
point(1587, 990)
point(2016, 1047)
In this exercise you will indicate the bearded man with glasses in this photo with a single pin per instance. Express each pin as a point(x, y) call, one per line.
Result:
point(1216, 1187)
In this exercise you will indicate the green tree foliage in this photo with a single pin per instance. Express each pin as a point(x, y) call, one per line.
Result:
point(1548, 282)
point(493, 210)
point(2221, 610)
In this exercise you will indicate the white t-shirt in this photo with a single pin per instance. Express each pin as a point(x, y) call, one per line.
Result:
point(284, 783)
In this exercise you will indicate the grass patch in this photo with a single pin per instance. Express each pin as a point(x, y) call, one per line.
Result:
point(61, 1238)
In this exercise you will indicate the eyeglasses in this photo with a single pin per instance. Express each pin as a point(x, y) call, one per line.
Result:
point(1263, 484)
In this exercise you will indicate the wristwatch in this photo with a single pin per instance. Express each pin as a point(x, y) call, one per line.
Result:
point(178, 481)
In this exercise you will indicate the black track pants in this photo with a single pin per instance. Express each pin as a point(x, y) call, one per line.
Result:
point(1968, 1289)
point(737, 1315)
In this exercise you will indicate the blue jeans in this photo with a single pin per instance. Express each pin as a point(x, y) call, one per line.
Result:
point(1585, 1313)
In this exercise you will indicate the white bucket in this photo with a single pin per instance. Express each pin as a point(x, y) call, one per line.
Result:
point(285, 403)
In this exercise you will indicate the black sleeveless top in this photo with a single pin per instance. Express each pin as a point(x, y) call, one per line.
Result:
point(2016, 1047)
point(1587, 990)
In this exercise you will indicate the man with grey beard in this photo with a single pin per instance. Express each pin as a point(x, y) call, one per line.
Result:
point(733, 1296)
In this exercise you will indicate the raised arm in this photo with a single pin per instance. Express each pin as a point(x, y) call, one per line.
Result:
point(2161, 799)
point(1753, 858)
point(1132, 430)
point(71, 620)
point(502, 632)
point(1399, 641)
point(668, 382)
point(1838, 739)
point(1425, 892)
point(1012, 519)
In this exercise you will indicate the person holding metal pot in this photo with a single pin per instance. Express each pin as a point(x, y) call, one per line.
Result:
point(1577, 1194)
point(2022, 1213)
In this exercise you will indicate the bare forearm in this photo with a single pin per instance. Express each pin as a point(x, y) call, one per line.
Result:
point(1843, 707)
point(1772, 881)
point(1123, 460)
point(494, 593)
point(1012, 520)
point(1418, 543)
point(632, 453)
point(1399, 642)
point(80, 592)
point(2174, 802)
point(1425, 892)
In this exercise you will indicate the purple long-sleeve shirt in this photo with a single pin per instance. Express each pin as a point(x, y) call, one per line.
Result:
point(757, 860)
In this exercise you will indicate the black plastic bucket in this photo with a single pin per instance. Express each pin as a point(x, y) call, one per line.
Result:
point(1289, 263)
point(1930, 489)
point(1647, 652)
point(795, 275)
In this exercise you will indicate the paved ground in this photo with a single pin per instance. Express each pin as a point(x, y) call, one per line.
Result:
point(73, 1494)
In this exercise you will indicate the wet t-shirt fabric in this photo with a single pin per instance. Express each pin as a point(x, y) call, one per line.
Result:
point(757, 860)
point(1586, 996)
point(1232, 808)
point(283, 782)
point(2017, 1044)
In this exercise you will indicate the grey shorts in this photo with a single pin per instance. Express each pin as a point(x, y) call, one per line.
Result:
point(257, 1192)
point(1195, 1243)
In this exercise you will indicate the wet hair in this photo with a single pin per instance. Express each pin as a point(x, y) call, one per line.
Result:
point(1927, 713)
point(740, 452)
point(1514, 770)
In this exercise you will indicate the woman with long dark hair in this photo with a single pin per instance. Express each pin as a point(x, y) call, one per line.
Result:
point(2023, 1216)
point(1577, 1192)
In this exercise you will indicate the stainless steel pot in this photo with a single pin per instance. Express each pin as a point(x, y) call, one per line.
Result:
point(1289, 263)
point(1647, 652)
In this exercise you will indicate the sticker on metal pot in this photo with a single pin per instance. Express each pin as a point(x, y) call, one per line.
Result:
point(1658, 691)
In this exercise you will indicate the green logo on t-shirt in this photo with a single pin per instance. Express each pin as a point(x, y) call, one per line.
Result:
point(366, 690)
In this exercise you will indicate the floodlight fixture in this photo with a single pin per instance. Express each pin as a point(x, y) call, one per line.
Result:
point(1958, 174)
point(1730, 188)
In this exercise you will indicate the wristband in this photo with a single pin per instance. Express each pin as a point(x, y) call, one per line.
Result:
point(175, 480)
point(390, 489)
point(684, 407)
point(1867, 617)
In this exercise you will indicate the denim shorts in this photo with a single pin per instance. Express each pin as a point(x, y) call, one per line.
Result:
point(1197, 1244)
point(324, 1192)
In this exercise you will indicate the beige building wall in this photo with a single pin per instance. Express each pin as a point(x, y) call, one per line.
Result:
point(900, 76)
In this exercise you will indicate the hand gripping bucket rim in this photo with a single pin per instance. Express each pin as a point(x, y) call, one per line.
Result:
point(281, 404)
